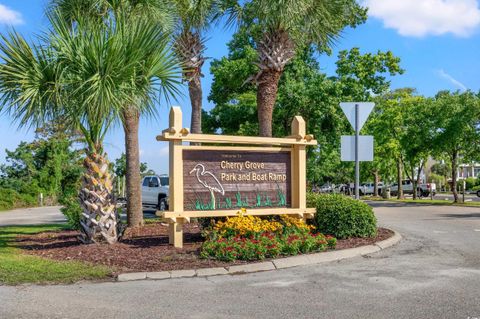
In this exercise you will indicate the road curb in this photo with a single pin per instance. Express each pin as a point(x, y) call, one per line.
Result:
point(280, 263)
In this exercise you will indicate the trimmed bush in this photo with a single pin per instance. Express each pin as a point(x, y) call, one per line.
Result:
point(342, 216)
point(471, 182)
point(72, 211)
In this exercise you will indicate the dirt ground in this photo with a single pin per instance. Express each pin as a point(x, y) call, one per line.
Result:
point(143, 249)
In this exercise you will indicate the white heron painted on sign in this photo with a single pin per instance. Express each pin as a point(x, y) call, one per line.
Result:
point(209, 181)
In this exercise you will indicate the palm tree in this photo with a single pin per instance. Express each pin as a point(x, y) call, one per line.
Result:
point(157, 76)
point(193, 18)
point(86, 73)
point(279, 28)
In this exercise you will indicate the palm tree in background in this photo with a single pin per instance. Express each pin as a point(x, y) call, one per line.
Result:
point(193, 18)
point(156, 73)
point(87, 73)
point(281, 27)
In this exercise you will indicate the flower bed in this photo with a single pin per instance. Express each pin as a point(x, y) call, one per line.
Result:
point(253, 238)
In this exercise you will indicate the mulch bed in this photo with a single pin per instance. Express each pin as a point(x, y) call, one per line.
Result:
point(143, 249)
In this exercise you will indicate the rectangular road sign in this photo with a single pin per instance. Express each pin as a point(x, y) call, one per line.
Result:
point(365, 148)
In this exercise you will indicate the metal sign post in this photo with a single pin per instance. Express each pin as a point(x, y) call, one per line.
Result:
point(357, 159)
point(357, 114)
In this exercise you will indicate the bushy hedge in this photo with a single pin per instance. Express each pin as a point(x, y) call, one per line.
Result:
point(72, 211)
point(471, 182)
point(10, 199)
point(342, 216)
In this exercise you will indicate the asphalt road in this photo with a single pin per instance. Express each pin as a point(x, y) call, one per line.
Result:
point(433, 273)
point(44, 215)
point(32, 216)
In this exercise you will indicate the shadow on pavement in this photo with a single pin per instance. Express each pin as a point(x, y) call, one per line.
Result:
point(396, 204)
point(468, 215)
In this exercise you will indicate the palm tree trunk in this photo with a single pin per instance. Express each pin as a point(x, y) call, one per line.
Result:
point(266, 96)
point(131, 119)
point(100, 221)
point(195, 91)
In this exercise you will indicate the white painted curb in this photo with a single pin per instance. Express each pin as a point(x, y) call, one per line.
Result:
point(280, 263)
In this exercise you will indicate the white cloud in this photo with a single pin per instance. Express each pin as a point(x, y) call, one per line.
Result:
point(9, 16)
point(419, 18)
point(452, 80)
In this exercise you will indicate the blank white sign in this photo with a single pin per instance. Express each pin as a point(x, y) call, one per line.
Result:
point(365, 149)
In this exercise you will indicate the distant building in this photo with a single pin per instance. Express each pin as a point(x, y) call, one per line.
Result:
point(468, 170)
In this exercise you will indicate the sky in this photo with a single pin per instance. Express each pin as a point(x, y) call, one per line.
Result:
point(438, 42)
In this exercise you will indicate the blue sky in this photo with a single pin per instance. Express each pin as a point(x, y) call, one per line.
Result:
point(438, 42)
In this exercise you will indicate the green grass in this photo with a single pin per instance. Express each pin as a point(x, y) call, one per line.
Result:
point(17, 268)
point(427, 202)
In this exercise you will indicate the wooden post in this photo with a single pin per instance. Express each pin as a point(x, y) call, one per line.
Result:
point(175, 227)
point(299, 167)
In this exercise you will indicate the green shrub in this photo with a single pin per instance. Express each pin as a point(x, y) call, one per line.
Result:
point(10, 199)
point(476, 188)
point(471, 182)
point(342, 216)
point(72, 211)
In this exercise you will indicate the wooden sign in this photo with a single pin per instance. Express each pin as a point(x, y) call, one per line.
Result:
point(218, 181)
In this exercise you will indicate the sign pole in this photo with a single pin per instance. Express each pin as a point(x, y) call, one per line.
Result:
point(357, 161)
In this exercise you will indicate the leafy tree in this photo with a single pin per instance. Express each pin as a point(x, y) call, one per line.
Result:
point(387, 126)
point(85, 73)
point(441, 171)
point(279, 28)
point(303, 90)
point(457, 129)
point(120, 167)
point(417, 138)
point(48, 165)
point(150, 72)
point(193, 18)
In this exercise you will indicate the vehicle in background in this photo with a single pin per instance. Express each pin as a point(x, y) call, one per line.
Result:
point(369, 188)
point(326, 188)
point(342, 188)
point(155, 191)
point(423, 190)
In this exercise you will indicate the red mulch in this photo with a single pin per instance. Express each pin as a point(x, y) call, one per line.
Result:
point(143, 249)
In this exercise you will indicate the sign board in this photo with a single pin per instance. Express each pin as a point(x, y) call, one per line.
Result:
point(217, 179)
point(364, 110)
point(365, 148)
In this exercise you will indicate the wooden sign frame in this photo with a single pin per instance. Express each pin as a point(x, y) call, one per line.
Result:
point(176, 135)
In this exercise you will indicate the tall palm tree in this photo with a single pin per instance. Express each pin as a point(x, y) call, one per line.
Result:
point(281, 27)
point(159, 76)
point(193, 18)
point(86, 73)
